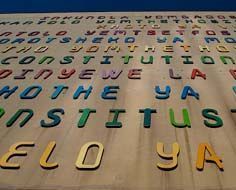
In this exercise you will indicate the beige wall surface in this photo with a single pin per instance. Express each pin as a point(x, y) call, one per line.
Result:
point(129, 161)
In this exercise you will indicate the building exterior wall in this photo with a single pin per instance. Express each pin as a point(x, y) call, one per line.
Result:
point(130, 157)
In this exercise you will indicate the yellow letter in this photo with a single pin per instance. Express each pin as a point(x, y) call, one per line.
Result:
point(46, 155)
point(173, 156)
point(82, 155)
point(201, 157)
point(14, 152)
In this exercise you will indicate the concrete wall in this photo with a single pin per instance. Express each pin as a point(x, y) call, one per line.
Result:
point(130, 158)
